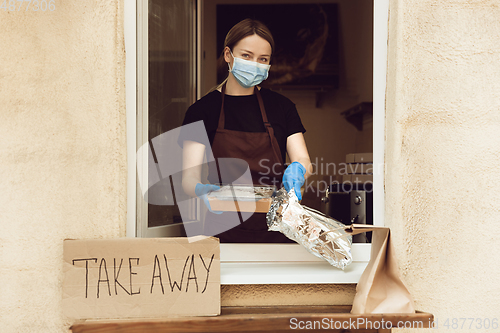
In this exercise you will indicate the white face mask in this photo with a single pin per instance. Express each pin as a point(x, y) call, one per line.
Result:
point(248, 73)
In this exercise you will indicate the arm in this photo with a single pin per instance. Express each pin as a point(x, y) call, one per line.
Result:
point(192, 161)
point(297, 151)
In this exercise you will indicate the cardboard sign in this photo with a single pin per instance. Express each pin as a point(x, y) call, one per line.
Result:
point(141, 277)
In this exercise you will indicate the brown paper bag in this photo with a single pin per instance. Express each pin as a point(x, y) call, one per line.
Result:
point(380, 288)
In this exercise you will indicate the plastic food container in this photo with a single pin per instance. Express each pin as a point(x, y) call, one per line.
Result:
point(242, 198)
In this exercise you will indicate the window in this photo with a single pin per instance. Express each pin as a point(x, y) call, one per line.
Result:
point(241, 263)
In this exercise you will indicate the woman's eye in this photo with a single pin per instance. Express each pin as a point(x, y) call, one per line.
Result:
point(263, 59)
point(245, 55)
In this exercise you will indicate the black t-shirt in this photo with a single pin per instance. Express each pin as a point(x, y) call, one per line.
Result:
point(242, 113)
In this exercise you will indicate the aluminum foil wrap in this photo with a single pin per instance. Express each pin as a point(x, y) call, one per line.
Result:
point(319, 234)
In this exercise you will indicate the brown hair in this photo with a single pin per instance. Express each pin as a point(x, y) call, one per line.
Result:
point(240, 30)
point(245, 28)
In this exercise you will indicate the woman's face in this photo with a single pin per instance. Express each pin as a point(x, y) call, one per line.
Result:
point(252, 48)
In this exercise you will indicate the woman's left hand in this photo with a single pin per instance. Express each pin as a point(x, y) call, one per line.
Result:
point(294, 178)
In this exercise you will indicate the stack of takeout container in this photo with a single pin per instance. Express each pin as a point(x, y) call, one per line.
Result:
point(242, 198)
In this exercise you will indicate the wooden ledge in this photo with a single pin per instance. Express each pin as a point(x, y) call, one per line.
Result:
point(274, 319)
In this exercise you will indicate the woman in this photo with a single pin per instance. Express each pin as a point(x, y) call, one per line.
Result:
point(247, 123)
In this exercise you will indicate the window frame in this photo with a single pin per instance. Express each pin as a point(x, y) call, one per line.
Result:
point(264, 263)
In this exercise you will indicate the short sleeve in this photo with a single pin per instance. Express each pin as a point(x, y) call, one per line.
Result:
point(204, 110)
point(193, 114)
point(293, 121)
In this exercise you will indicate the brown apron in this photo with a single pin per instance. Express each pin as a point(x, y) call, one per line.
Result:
point(262, 153)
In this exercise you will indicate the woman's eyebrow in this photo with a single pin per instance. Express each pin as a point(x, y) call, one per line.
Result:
point(248, 51)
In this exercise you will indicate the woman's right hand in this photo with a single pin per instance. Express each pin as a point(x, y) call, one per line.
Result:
point(201, 191)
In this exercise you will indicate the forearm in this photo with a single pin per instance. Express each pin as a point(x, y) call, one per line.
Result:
point(189, 180)
point(297, 151)
point(192, 162)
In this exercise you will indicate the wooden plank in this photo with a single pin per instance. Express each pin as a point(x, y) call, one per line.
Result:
point(260, 319)
point(227, 310)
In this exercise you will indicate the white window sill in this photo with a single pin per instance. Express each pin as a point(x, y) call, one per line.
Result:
point(289, 273)
point(286, 264)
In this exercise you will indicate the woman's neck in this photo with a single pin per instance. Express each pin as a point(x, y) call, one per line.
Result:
point(235, 89)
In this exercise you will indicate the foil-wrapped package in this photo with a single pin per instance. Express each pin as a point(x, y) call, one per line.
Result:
point(321, 235)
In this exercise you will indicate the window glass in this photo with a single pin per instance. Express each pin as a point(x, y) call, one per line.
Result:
point(171, 71)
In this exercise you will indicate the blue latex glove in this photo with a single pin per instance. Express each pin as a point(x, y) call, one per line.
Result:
point(294, 178)
point(201, 191)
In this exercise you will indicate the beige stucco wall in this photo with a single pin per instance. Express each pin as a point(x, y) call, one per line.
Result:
point(62, 149)
point(442, 154)
point(62, 156)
